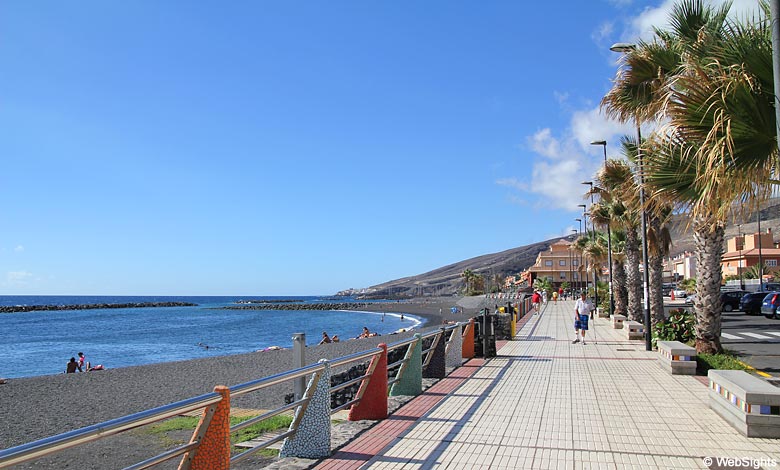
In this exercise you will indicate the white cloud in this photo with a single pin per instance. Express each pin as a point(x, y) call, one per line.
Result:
point(512, 183)
point(642, 25)
point(561, 98)
point(603, 32)
point(19, 248)
point(545, 144)
point(18, 276)
point(589, 125)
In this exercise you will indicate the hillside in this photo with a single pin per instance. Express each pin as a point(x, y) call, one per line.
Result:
point(447, 280)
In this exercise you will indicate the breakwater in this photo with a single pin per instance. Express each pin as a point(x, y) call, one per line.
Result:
point(294, 306)
point(43, 308)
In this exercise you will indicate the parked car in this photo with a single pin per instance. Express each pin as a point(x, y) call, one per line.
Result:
point(770, 304)
point(680, 293)
point(751, 302)
point(690, 300)
point(730, 299)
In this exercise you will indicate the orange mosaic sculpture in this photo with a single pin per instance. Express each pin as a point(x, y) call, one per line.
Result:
point(214, 450)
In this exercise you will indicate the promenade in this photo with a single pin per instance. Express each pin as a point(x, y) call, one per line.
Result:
point(547, 403)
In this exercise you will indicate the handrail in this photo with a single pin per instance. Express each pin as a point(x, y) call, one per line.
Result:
point(60, 442)
point(254, 385)
point(49, 445)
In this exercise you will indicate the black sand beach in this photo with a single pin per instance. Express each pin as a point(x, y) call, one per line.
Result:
point(38, 407)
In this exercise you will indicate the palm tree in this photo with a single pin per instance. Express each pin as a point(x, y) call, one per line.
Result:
point(620, 207)
point(468, 276)
point(619, 290)
point(711, 80)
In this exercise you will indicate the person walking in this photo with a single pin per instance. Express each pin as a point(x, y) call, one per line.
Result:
point(582, 309)
point(535, 300)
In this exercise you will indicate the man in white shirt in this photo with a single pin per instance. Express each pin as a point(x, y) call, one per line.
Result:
point(582, 309)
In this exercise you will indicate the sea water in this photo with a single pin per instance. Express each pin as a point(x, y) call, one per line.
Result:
point(40, 343)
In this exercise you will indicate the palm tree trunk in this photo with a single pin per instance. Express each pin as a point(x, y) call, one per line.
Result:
point(619, 291)
point(708, 239)
point(656, 275)
point(634, 280)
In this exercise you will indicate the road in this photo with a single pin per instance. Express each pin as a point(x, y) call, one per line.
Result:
point(755, 338)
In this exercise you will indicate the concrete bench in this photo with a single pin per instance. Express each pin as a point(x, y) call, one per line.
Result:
point(617, 321)
point(749, 404)
point(603, 312)
point(634, 330)
point(677, 358)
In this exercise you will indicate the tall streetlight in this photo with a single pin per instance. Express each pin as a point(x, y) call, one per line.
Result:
point(580, 258)
point(760, 255)
point(626, 48)
point(585, 258)
point(609, 237)
point(593, 231)
point(741, 242)
point(571, 270)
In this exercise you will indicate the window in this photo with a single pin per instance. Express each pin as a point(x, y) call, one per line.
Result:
point(563, 275)
point(562, 262)
point(575, 262)
point(548, 262)
point(575, 277)
point(771, 262)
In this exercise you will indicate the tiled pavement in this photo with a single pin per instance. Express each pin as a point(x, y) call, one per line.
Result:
point(547, 403)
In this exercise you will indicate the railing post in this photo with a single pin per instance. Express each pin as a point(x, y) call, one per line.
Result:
point(214, 450)
point(373, 391)
point(436, 368)
point(410, 380)
point(299, 360)
point(468, 340)
point(312, 438)
point(455, 348)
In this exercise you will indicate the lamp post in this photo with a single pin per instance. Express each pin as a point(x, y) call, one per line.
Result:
point(609, 237)
point(593, 231)
point(626, 48)
point(580, 258)
point(585, 231)
point(741, 242)
point(760, 257)
point(571, 271)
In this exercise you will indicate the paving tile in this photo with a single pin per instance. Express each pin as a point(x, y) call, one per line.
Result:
point(547, 403)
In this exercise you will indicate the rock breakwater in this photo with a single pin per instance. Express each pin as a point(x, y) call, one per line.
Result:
point(292, 306)
point(37, 308)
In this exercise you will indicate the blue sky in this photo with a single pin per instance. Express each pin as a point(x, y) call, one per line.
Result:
point(292, 148)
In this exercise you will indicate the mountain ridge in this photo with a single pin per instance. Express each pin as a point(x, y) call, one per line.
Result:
point(447, 280)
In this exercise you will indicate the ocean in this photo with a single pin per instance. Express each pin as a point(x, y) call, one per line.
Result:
point(40, 343)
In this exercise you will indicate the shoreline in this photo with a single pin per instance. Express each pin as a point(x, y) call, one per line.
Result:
point(47, 405)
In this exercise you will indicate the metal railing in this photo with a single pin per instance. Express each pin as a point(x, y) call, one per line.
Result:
point(54, 444)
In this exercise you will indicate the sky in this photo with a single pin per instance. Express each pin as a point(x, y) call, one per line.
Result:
point(294, 148)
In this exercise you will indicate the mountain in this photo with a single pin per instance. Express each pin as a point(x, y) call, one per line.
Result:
point(447, 280)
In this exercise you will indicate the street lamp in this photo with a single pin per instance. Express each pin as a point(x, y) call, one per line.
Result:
point(741, 242)
point(579, 266)
point(571, 270)
point(593, 231)
point(626, 48)
point(609, 237)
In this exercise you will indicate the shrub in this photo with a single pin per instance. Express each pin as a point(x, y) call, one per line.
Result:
point(680, 326)
point(725, 361)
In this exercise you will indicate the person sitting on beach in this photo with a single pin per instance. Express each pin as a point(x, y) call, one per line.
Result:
point(325, 338)
point(71, 366)
point(335, 339)
point(365, 333)
point(83, 365)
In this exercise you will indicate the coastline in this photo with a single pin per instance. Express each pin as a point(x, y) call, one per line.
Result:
point(47, 405)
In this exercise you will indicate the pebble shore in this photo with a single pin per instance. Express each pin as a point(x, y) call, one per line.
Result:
point(37, 407)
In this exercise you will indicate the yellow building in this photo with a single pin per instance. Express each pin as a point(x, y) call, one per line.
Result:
point(558, 264)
